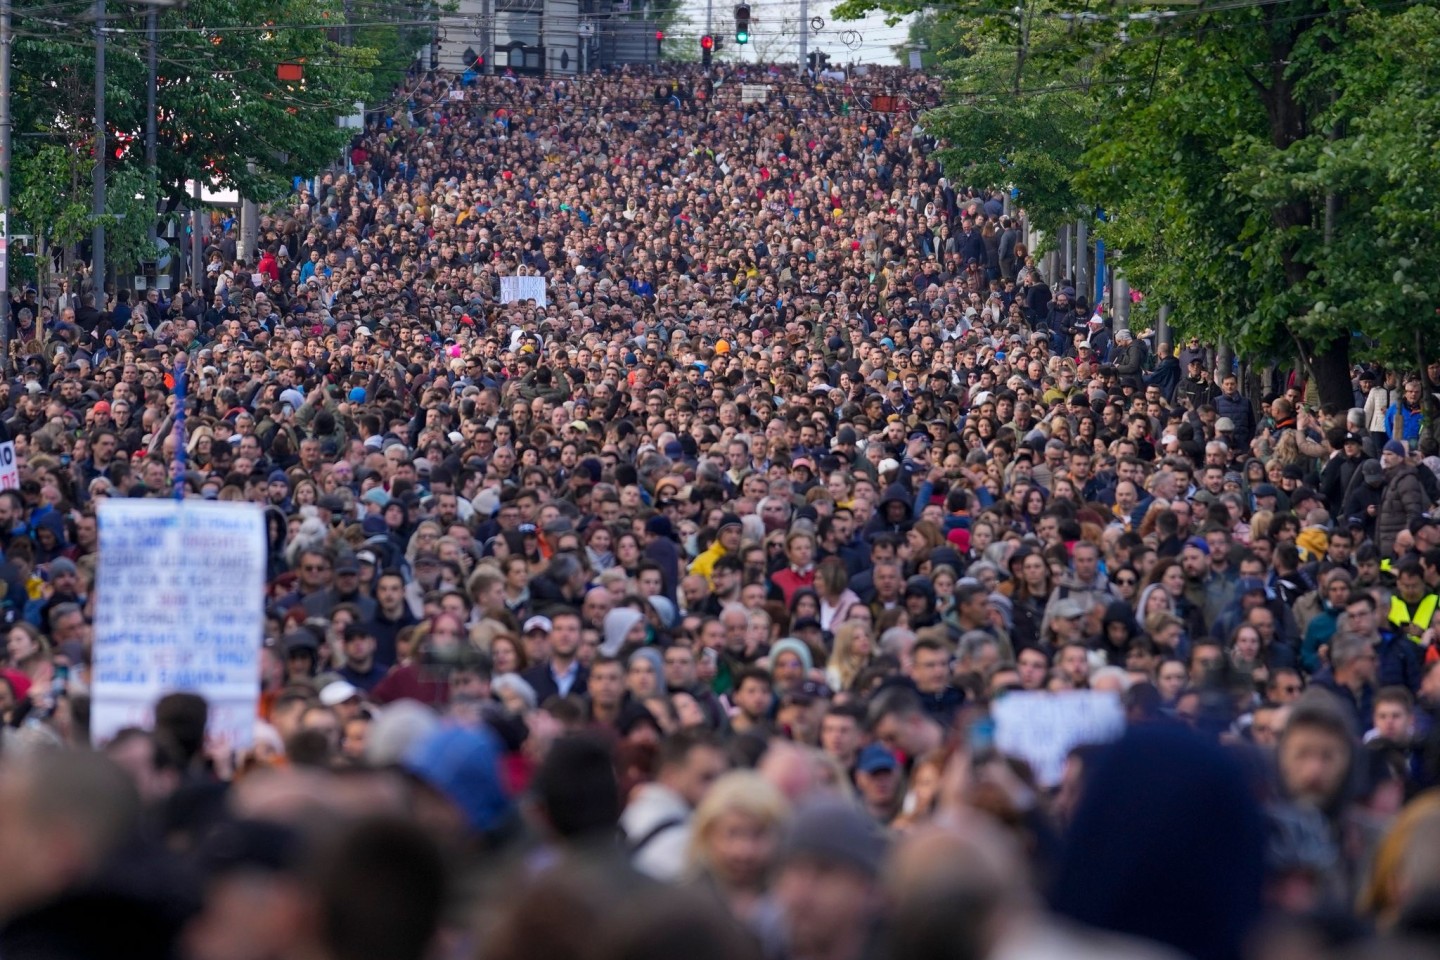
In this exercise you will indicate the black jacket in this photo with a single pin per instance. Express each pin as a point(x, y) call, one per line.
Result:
point(543, 683)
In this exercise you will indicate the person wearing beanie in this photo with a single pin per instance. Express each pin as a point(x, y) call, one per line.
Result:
point(462, 767)
point(790, 662)
point(727, 541)
point(828, 885)
point(1403, 499)
point(64, 588)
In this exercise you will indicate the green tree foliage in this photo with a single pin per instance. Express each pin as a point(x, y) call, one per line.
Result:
point(223, 112)
point(1387, 170)
point(1269, 169)
point(1001, 131)
point(944, 39)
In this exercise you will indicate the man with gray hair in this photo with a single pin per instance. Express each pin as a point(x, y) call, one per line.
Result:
point(1351, 676)
point(1129, 356)
point(898, 642)
point(774, 512)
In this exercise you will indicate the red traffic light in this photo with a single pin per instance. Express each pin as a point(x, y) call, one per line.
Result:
point(707, 42)
point(659, 34)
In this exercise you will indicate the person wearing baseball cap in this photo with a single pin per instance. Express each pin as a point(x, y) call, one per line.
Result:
point(1340, 470)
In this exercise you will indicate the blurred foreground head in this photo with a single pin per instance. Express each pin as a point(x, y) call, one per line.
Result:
point(1167, 844)
point(370, 889)
point(63, 814)
point(597, 909)
point(955, 890)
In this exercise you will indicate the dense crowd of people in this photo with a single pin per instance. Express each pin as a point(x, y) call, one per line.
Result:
point(667, 616)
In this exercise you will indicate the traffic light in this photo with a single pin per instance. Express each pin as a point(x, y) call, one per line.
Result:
point(707, 49)
point(659, 37)
point(742, 23)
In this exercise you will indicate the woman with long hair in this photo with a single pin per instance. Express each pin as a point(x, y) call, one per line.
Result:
point(832, 584)
point(1030, 591)
point(598, 544)
point(805, 603)
point(734, 839)
point(29, 652)
point(852, 652)
point(1162, 589)
point(628, 552)
point(923, 537)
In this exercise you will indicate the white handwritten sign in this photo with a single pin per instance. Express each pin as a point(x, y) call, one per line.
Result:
point(9, 469)
point(180, 590)
point(522, 288)
point(1042, 728)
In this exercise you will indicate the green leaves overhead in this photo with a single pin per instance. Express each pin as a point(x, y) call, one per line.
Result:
point(223, 113)
point(1269, 169)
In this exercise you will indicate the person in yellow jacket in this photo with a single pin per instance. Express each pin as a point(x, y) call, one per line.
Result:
point(727, 540)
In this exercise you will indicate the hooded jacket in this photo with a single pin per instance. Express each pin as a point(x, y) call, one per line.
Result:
point(54, 522)
point(1118, 611)
point(1404, 500)
point(880, 523)
point(618, 623)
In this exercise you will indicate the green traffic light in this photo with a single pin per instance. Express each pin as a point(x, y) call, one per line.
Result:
point(742, 36)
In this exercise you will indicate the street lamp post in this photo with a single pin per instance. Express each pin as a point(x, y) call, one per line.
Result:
point(97, 237)
point(7, 38)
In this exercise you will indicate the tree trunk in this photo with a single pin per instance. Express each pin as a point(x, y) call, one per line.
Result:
point(1330, 369)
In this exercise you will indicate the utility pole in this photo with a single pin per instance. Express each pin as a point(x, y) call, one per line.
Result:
point(7, 38)
point(97, 237)
point(197, 245)
point(709, 18)
point(1121, 307)
point(1082, 258)
point(1099, 270)
point(490, 37)
point(152, 78)
point(249, 225)
point(1065, 262)
point(804, 36)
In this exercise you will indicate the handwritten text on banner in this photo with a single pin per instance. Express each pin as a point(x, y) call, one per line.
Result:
point(179, 606)
point(1042, 728)
point(522, 288)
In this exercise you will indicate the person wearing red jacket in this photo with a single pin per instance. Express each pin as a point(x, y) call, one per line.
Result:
point(269, 266)
point(799, 571)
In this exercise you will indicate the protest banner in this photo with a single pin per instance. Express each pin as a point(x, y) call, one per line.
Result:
point(522, 288)
point(1042, 728)
point(180, 590)
point(9, 465)
point(9, 468)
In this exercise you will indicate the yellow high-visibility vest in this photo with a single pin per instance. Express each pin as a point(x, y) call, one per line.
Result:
point(1400, 612)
